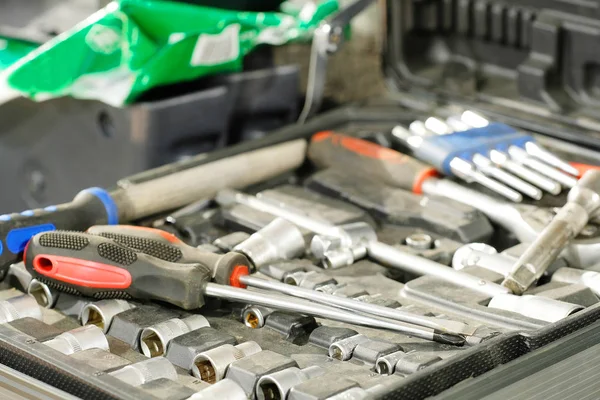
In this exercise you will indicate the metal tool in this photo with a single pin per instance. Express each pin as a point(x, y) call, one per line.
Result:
point(79, 339)
point(590, 279)
point(536, 307)
point(354, 305)
point(328, 38)
point(211, 365)
point(583, 202)
point(146, 371)
point(361, 235)
point(532, 148)
point(523, 220)
point(277, 385)
point(149, 193)
point(101, 313)
point(98, 267)
point(155, 339)
point(425, 150)
point(482, 162)
point(18, 307)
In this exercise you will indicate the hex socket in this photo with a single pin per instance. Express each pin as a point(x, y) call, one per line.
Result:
point(343, 349)
point(279, 240)
point(145, 371)
point(155, 339)
point(79, 339)
point(210, 366)
point(101, 313)
point(43, 294)
point(277, 385)
point(19, 307)
point(255, 316)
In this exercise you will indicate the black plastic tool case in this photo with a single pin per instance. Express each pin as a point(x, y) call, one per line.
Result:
point(533, 64)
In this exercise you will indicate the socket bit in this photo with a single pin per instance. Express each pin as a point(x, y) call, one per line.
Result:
point(277, 385)
point(211, 365)
point(343, 349)
point(43, 294)
point(19, 307)
point(255, 316)
point(101, 313)
point(146, 371)
point(279, 240)
point(155, 339)
point(583, 202)
point(79, 339)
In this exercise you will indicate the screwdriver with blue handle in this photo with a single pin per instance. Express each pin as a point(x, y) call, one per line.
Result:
point(154, 191)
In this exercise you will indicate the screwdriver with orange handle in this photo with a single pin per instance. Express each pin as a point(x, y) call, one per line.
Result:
point(96, 266)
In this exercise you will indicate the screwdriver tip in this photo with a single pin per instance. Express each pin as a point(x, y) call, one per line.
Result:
point(448, 338)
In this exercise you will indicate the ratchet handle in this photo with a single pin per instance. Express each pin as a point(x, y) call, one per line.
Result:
point(226, 268)
point(89, 207)
point(333, 150)
point(98, 267)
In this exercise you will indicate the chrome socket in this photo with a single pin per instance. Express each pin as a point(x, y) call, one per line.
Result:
point(210, 366)
point(155, 339)
point(79, 339)
point(145, 371)
point(101, 313)
point(19, 307)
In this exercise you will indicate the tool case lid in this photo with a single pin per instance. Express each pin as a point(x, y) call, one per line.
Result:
point(531, 63)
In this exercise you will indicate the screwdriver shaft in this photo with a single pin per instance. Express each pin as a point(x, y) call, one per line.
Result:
point(355, 305)
point(321, 311)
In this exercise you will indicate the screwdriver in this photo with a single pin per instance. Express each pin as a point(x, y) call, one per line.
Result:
point(98, 267)
point(168, 247)
point(583, 202)
point(168, 187)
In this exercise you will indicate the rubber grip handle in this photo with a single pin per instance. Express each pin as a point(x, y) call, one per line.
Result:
point(166, 246)
point(89, 207)
point(98, 267)
point(333, 150)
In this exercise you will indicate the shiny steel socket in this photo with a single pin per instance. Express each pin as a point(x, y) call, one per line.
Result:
point(101, 313)
point(145, 371)
point(19, 307)
point(155, 339)
point(255, 316)
point(386, 365)
point(343, 349)
point(276, 386)
point(483, 256)
point(537, 307)
point(79, 339)
point(43, 294)
point(590, 279)
point(210, 366)
point(222, 390)
point(279, 240)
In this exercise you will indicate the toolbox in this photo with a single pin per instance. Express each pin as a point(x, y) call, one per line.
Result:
point(530, 64)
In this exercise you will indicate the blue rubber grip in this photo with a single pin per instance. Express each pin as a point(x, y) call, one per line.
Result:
point(90, 207)
point(441, 150)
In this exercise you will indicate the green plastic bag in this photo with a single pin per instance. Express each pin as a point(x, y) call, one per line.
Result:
point(11, 50)
point(131, 46)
